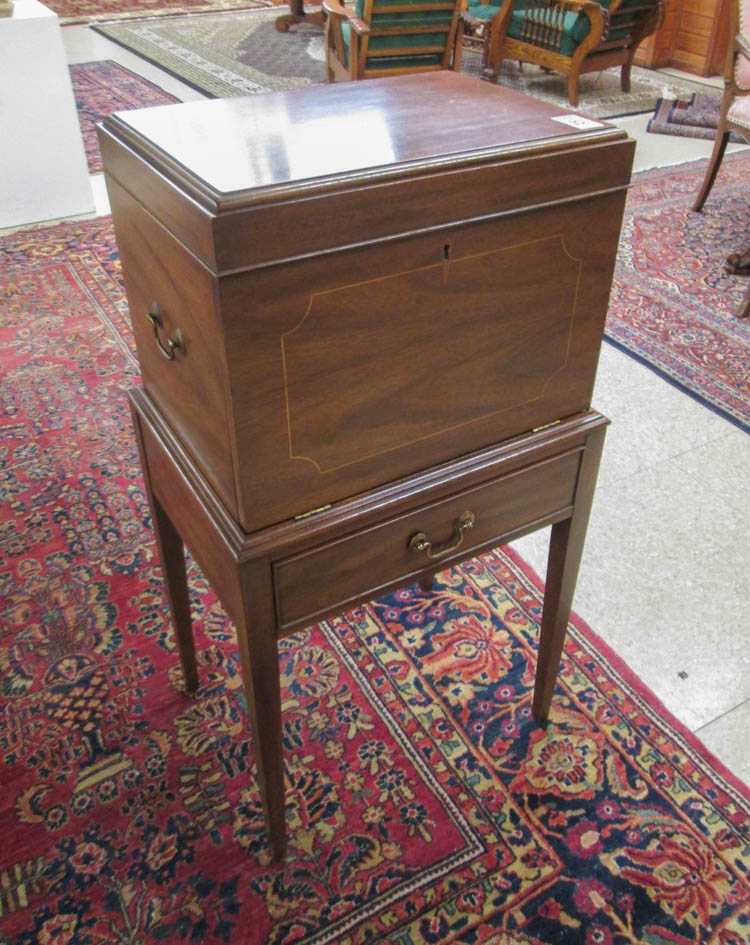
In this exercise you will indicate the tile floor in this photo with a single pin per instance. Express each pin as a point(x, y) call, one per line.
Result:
point(666, 573)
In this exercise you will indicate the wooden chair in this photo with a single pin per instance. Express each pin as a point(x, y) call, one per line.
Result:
point(735, 105)
point(391, 37)
point(566, 36)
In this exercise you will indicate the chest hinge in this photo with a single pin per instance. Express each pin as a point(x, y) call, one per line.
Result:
point(323, 508)
point(545, 426)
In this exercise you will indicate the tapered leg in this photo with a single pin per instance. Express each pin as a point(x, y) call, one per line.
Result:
point(426, 580)
point(566, 548)
point(256, 637)
point(720, 146)
point(172, 554)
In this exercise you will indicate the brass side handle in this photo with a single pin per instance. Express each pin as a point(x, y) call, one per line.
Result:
point(421, 543)
point(172, 344)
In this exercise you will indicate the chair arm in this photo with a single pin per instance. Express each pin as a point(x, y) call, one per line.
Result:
point(591, 8)
point(597, 16)
point(335, 9)
point(651, 20)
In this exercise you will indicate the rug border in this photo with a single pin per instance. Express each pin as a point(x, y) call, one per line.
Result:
point(152, 62)
point(136, 75)
point(116, 18)
point(133, 75)
point(642, 359)
point(635, 681)
point(683, 388)
point(98, 28)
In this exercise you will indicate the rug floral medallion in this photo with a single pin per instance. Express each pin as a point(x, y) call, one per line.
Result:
point(424, 804)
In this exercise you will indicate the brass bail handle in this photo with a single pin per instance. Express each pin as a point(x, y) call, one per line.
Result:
point(168, 349)
point(421, 543)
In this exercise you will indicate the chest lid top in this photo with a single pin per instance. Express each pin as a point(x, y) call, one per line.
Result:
point(229, 154)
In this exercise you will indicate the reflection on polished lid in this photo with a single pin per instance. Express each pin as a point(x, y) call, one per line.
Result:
point(351, 130)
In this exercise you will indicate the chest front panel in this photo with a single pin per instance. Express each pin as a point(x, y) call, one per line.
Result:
point(358, 367)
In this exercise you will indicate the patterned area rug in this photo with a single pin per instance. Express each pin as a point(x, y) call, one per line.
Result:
point(424, 806)
point(241, 53)
point(93, 11)
point(672, 304)
point(101, 88)
point(697, 117)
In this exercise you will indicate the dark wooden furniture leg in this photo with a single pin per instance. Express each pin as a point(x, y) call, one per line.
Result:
point(565, 551)
point(256, 637)
point(738, 264)
point(744, 308)
point(540, 477)
point(172, 557)
point(298, 15)
point(248, 597)
point(720, 146)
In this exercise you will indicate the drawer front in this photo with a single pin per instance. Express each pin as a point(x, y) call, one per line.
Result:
point(361, 565)
point(190, 387)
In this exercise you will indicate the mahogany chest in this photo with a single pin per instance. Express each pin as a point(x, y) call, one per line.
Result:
point(368, 318)
point(366, 279)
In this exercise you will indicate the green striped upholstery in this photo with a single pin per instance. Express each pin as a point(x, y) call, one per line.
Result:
point(576, 26)
point(482, 11)
point(410, 41)
point(395, 62)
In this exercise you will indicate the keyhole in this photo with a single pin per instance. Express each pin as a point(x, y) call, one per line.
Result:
point(446, 251)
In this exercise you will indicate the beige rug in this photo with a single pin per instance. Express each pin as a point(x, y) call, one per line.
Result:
point(242, 53)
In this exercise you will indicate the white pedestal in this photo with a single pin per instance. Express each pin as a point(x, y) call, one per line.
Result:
point(43, 173)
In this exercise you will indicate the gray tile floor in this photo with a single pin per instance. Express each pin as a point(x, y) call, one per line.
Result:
point(666, 574)
point(665, 578)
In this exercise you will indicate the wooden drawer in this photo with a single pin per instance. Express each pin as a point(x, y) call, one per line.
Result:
point(358, 566)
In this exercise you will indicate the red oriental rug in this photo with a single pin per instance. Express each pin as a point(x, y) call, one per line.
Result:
point(101, 88)
point(424, 804)
point(96, 11)
point(672, 305)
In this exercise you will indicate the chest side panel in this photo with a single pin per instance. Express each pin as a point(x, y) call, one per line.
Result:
point(190, 389)
point(356, 368)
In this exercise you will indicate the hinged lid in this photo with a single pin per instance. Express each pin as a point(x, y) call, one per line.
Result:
point(327, 141)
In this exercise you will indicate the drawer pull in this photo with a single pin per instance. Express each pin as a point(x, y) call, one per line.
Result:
point(421, 543)
point(168, 349)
